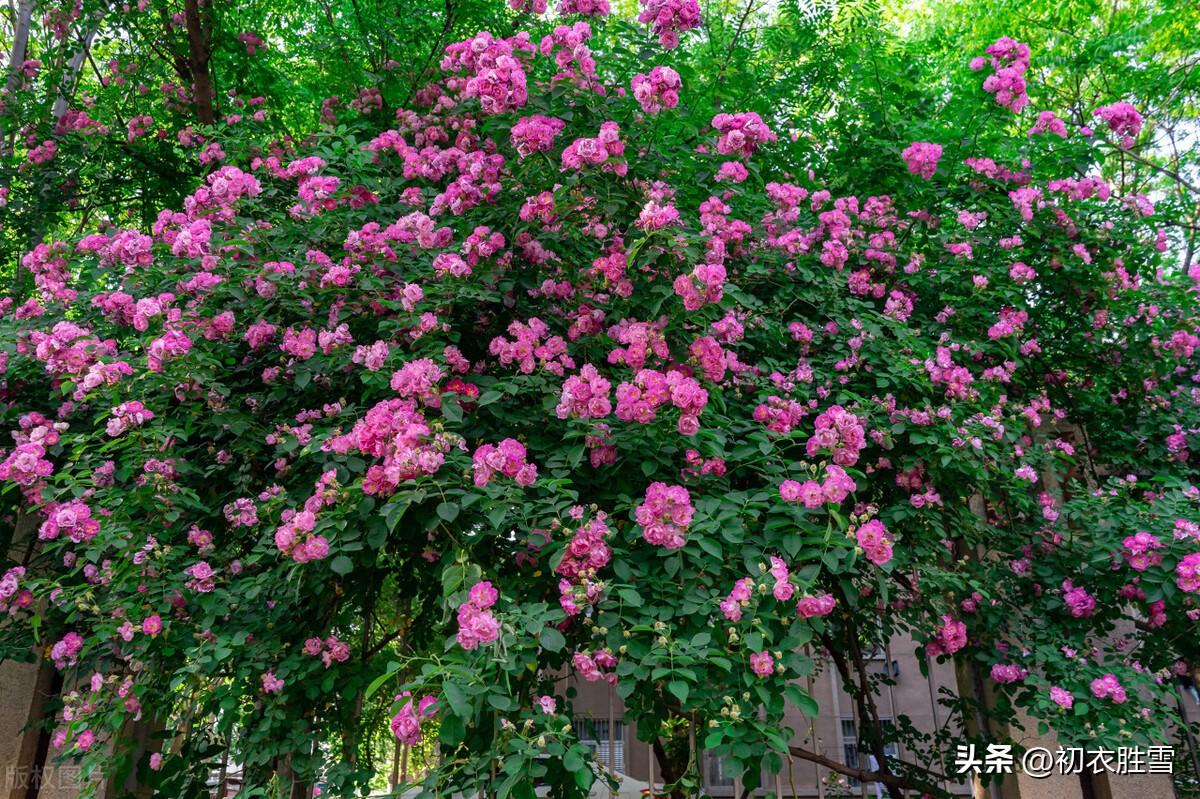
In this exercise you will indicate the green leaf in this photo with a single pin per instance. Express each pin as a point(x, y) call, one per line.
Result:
point(454, 729)
point(341, 565)
point(800, 698)
point(392, 512)
point(377, 537)
point(451, 410)
point(551, 639)
point(501, 702)
point(630, 597)
point(457, 699)
point(710, 546)
point(680, 690)
point(448, 511)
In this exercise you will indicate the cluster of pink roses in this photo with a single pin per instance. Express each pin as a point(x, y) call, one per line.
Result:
point(26, 465)
point(72, 519)
point(596, 666)
point(1141, 551)
point(1048, 122)
point(782, 589)
point(665, 514)
point(1108, 687)
point(42, 153)
point(1006, 673)
point(780, 414)
point(741, 134)
point(714, 360)
point(567, 44)
point(330, 650)
point(922, 158)
point(949, 638)
point(406, 724)
point(68, 349)
point(1010, 61)
point(129, 248)
point(395, 431)
point(128, 415)
point(252, 41)
point(669, 18)
point(242, 512)
point(834, 489)
point(640, 400)
point(644, 342)
point(738, 599)
point(65, 651)
point(495, 74)
point(200, 576)
point(506, 458)
point(605, 150)
point(1122, 119)
point(1010, 323)
point(477, 624)
point(703, 285)
point(585, 395)
point(732, 171)
point(657, 90)
point(530, 347)
point(587, 552)
point(12, 596)
point(585, 8)
point(1062, 697)
point(656, 216)
point(170, 345)
point(295, 536)
point(138, 127)
point(875, 540)
point(839, 430)
point(1078, 601)
point(809, 607)
point(1187, 573)
point(271, 684)
point(529, 6)
point(419, 380)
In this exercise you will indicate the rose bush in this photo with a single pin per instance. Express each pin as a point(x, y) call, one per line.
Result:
point(554, 376)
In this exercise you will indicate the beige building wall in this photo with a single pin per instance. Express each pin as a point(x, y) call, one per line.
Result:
point(24, 690)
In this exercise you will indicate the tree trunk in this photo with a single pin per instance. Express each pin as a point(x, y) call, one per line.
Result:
point(20, 41)
point(394, 777)
point(16, 60)
point(199, 52)
point(67, 87)
point(670, 771)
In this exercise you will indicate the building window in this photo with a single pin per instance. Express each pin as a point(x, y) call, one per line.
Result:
point(719, 773)
point(593, 733)
point(850, 752)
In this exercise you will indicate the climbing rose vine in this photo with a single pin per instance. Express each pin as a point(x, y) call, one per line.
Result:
point(553, 377)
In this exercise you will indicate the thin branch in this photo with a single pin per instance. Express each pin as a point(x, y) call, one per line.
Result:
point(891, 780)
point(733, 45)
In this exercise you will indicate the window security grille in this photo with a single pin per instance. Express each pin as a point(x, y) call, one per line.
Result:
point(850, 752)
point(593, 733)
